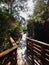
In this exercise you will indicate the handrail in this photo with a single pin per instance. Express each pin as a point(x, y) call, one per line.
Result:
point(36, 41)
point(9, 54)
point(40, 51)
point(7, 51)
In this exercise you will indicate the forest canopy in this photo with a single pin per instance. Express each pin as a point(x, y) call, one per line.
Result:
point(38, 24)
point(9, 26)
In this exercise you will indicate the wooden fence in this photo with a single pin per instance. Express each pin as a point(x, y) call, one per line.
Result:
point(9, 56)
point(39, 50)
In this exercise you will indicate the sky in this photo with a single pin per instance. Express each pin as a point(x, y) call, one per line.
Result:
point(29, 12)
point(45, 1)
point(30, 6)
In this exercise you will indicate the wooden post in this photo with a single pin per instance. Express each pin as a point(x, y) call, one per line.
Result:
point(42, 55)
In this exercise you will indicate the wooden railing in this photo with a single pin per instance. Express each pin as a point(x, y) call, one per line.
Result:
point(40, 51)
point(9, 57)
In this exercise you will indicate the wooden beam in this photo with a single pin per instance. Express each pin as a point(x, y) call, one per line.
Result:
point(8, 51)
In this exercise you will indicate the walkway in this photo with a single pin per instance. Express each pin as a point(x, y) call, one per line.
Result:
point(33, 52)
point(22, 55)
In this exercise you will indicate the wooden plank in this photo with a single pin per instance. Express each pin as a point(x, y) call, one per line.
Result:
point(12, 42)
point(8, 51)
point(38, 42)
point(40, 50)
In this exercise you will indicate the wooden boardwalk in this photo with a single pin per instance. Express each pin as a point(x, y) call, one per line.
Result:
point(23, 56)
point(17, 55)
point(31, 53)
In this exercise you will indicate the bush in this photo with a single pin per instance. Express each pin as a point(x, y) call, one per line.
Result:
point(16, 34)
